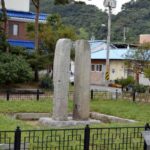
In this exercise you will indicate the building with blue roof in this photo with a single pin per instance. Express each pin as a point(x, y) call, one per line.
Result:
point(17, 26)
point(114, 54)
point(25, 16)
point(18, 17)
point(97, 45)
point(20, 43)
point(117, 57)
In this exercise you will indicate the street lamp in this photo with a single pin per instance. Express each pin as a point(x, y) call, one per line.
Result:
point(110, 4)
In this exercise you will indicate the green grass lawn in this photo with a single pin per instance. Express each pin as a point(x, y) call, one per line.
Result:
point(25, 106)
point(9, 123)
point(120, 108)
point(123, 108)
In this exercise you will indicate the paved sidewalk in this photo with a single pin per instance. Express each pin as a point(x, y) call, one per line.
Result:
point(104, 88)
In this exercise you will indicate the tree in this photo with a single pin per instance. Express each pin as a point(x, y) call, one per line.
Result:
point(3, 41)
point(63, 2)
point(53, 30)
point(37, 62)
point(36, 4)
point(14, 69)
point(3, 28)
point(4, 15)
point(147, 72)
point(125, 82)
point(139, 59)
point(37, 10)
point(50, 32)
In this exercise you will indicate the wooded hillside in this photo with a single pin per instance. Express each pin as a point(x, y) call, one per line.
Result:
point(135, 17)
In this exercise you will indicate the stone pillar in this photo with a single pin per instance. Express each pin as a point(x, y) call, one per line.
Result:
point(61, 79)
point(82, 80)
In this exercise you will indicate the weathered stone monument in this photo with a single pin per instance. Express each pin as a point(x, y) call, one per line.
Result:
point(61, 84)
point(82, 80)
point(61, 79)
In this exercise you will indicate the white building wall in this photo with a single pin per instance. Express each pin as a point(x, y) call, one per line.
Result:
point(18, 5)
point(117, 69)
point(143, 80)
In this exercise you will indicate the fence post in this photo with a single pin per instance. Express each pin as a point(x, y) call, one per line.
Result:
point(7, 95)
point(86, 137)
point(116, 94)
point(147, 127)
point(37, 96)
point(17, 142)
point(133, 95)
point(92, 94)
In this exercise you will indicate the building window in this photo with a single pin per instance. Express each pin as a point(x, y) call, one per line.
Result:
point(92, 67)
point(14, 29)
point(98, 67)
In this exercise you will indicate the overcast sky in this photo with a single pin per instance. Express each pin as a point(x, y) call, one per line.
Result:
point(99, 4)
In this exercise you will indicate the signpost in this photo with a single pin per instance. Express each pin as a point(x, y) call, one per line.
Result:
point(110, 4)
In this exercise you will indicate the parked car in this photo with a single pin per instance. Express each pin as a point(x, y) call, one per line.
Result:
point(71, 78)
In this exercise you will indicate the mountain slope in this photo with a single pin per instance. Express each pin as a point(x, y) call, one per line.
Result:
point(134, 17)
point(79, 15)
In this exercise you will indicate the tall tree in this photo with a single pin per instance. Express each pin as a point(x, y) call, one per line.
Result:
point(4, 15)
point(4, 19)
point(36, 4)
point(139, 59)
point(37, 10)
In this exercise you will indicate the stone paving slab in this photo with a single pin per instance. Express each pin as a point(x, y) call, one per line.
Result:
point(50, 122)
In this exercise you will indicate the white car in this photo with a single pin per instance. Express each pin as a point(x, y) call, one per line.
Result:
point(71, 78)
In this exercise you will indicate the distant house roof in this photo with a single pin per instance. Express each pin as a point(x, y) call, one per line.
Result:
point(118, 53)
point(25, 15)
point(113, 54)
point(97, 45)
point(21, 43)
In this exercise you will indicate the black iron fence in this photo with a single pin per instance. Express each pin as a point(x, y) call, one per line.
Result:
point(133, 96)
point(120, 138)
point(37, 94)
point(24, 94)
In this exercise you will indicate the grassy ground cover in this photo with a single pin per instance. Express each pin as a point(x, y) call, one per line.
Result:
point(9, 123)
point(25, 106)
point(123, 108)
point(120, 108)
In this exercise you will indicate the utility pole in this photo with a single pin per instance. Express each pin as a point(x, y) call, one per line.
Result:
point(124, 35)
point(110, 4)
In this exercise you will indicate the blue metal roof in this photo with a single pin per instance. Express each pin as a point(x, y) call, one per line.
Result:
point(21, 43)
point(100, 45)
point(25, 15)
point(96, 43)
point(113, 54)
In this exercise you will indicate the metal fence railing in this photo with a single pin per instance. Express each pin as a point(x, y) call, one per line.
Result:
point(133, 96)
point(24, 94)
point(119, 138)
point(37, 94)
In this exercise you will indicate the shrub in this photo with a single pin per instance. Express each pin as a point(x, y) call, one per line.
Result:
point(139, 88)
point(47, 82)
point(14, 69)
point(125, 82)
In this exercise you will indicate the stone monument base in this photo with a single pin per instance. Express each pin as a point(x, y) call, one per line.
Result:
point(70, 122)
